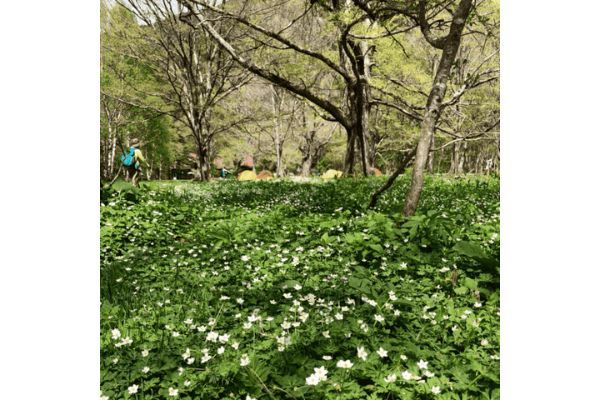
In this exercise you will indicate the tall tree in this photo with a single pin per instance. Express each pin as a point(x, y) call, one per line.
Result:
point(429, 17)
point(449, 45)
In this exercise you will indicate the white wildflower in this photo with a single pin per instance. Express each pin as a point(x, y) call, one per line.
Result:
point(133, 389)
point(321, 372)
point(205, 358)
point(244, 360)
point(212, 336)
point(382, 352)
point(224, 338)
point(407, 376)
point(344, 364)
point(312, 380)
point(186, 354)
point(362, 354)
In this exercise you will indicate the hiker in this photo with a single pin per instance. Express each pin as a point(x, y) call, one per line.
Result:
point(131, 162)
point(223, 172)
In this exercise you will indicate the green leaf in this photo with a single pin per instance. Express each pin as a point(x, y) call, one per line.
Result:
point(471, 283)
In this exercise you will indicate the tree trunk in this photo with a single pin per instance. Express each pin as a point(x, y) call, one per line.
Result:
point(362, 134)
point(350, 147)
point(458, 158)
point(276, 102)
point(103, 159)
point(307, 163)
point(362, 104)
point(366, 168)
point(479, 162)
point(202, 162)
point(460, 165)
point(452, 161)
point(113, 151)
point(433, 108)
point(279, 159)
point(430, 157)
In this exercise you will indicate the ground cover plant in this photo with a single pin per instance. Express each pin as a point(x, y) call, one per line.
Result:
point(286, 290)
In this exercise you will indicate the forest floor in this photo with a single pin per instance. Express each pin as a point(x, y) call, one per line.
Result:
point(286, 290)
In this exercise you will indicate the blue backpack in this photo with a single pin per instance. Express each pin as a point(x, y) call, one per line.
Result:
point(128, 158)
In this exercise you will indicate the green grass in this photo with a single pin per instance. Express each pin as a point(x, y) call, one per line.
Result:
point(293, 272)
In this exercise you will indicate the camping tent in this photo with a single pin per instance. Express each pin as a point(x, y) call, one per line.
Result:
point(247, 176)
point(332, 173)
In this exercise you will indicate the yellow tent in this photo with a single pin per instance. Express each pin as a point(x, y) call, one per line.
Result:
point(247, 176)
point(332, 173)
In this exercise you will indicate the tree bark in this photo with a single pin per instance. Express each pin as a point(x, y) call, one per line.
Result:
point(361, 51)
point(433, 109)
point(431, 156)
point(460, 166)
point(350, 149)
point(202, 157)
point(276, 102)
point(307, 163)
point(362, 129)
